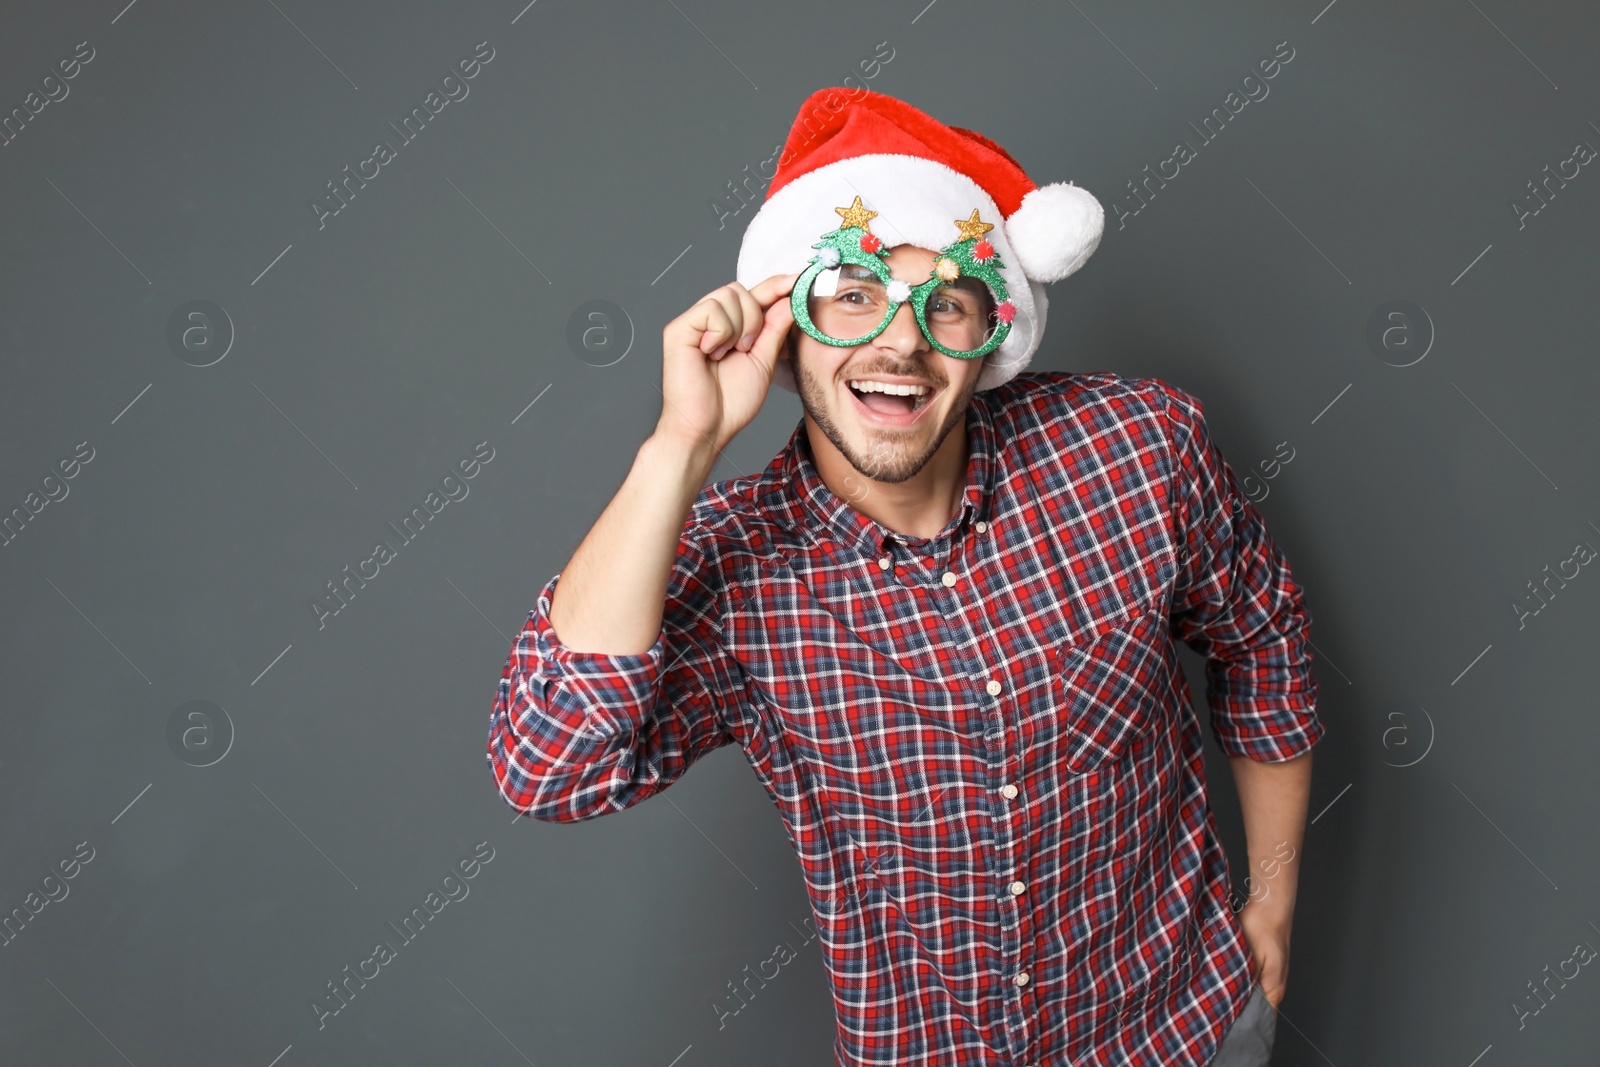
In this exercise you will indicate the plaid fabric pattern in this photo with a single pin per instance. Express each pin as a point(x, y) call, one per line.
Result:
point(982, 743)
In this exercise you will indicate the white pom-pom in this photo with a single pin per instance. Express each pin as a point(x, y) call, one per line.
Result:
point(898, 291)
point(829, 256)
point(1055, 230)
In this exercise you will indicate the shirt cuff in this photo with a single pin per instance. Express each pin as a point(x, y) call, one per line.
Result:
point(612, 691)
point(1267, 734)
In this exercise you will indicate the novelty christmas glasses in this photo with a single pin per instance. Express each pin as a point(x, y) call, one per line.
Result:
point(846, 295)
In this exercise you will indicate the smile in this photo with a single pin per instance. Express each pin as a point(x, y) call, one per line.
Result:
point(890, 403)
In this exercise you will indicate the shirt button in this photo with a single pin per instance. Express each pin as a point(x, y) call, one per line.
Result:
point(1016, 888)
point(883, 563)
point(993, 687)
point(980, 526)
point(1008, 791)
point(948, 579)
point(1021, 978)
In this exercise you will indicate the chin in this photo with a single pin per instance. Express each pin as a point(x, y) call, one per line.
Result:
point(885, 449)
point(882, 439)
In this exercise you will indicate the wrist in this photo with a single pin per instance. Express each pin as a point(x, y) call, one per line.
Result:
point(670, 455)
point(1272, 907)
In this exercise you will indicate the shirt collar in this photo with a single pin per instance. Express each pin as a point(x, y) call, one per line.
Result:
point(813, 505)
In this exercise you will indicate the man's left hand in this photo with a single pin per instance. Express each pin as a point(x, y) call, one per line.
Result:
point(1266, 931)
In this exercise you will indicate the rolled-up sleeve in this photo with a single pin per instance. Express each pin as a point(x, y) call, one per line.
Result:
point(574, 735)
point(1236, 603)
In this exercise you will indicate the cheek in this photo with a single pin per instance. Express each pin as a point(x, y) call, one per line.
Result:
point(821, 362)
point(962, 373)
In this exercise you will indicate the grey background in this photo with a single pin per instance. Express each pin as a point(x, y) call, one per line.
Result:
point(372, 355)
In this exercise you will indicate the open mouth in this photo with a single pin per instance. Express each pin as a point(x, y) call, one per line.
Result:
point(891, 401)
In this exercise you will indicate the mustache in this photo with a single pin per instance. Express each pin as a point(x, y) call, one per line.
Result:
point(916, 373)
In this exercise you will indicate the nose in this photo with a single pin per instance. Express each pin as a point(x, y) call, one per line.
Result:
point(902, 335)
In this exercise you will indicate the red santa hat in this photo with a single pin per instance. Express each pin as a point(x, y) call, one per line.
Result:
point(922, 178)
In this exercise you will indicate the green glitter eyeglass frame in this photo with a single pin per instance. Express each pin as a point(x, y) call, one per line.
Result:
point(849, 244)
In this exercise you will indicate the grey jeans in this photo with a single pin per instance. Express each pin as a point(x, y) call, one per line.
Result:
point(1248, 1042)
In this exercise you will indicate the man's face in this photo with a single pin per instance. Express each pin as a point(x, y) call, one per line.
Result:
point(887, 438)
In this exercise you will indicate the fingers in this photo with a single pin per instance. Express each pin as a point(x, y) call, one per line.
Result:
point(716, 317)
point(745, 314)
point(735, 318)
point(775, 325)
point(769, 289)
point(732, 320)
point(750, 316)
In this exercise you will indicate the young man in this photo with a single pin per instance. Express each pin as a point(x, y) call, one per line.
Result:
point(940, 626)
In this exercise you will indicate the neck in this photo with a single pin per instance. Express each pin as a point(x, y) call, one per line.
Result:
point(917, 507)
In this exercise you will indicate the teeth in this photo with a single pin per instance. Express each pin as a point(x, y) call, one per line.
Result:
point(890, 388)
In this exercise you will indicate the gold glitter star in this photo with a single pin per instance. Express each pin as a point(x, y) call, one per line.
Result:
point(971, 228)
point(855, 215)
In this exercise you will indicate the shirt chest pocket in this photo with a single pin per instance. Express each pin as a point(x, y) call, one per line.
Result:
point(1105, 693)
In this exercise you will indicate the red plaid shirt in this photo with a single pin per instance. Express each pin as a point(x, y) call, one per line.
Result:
point(982, 743)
